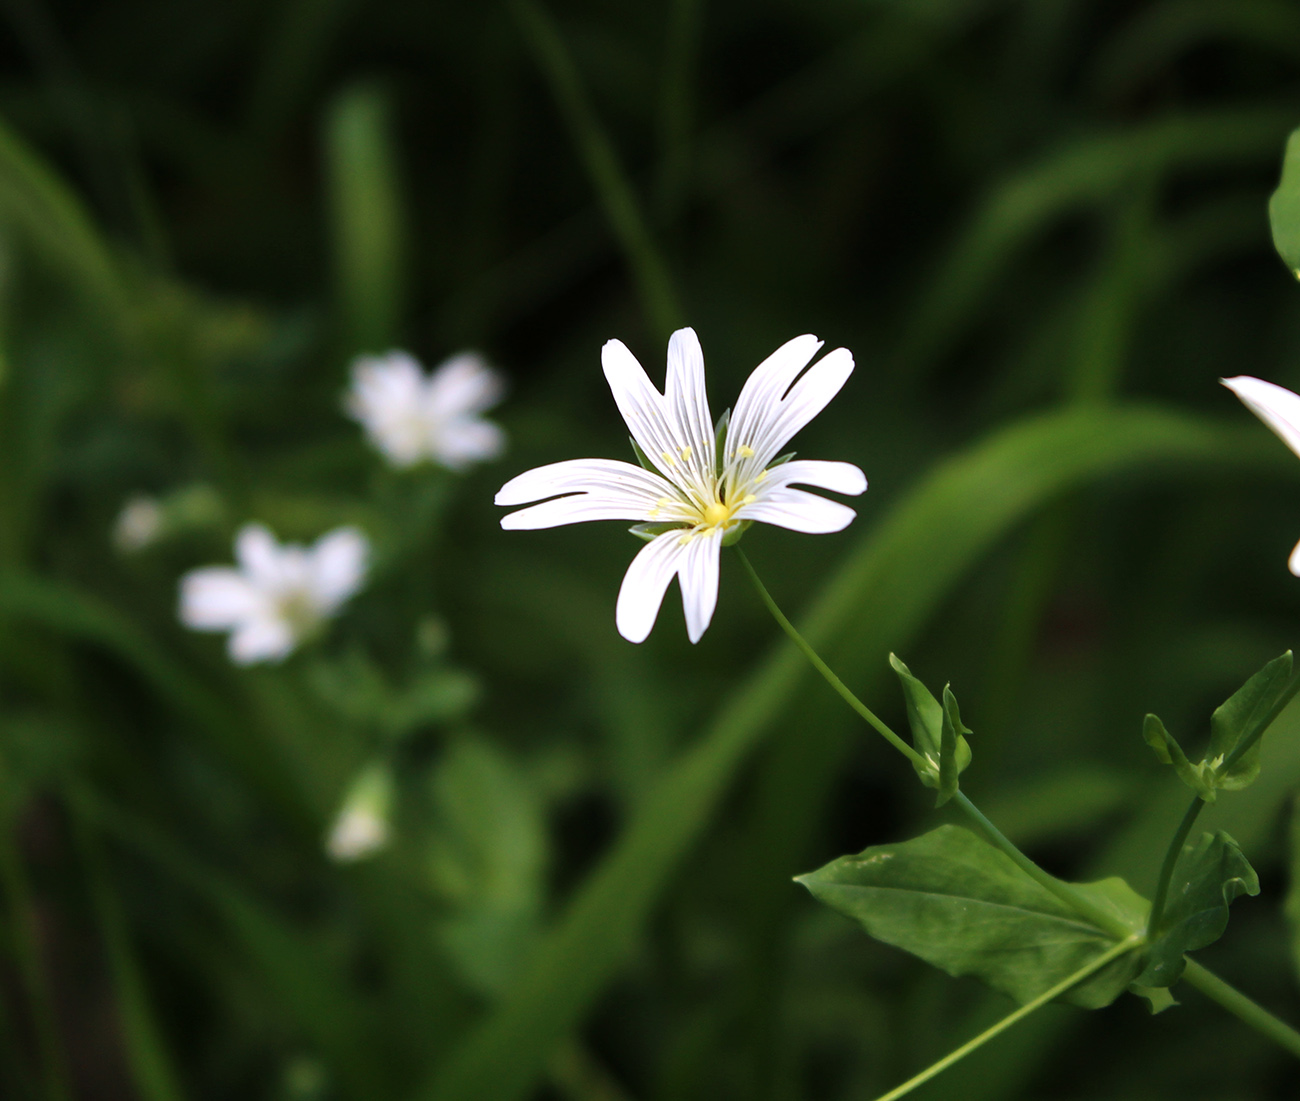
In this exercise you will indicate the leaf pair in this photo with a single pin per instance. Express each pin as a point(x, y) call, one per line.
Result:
point(937, 734)
point(958, 903)
point(1232, 760)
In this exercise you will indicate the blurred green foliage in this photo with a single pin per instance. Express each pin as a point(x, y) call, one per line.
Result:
point(1040, 225)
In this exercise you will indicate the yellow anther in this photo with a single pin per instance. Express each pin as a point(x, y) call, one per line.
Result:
point(685, 453)
point(668, 458)
point(745, 451)
point(749, 499)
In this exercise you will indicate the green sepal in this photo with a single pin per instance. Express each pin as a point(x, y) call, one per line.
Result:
point(781, 460)
point(734, 533)
point(1158, 997)
point(1209, 875)
point(937, 733)
point(1238, 718)
point(1171, 753)
point(642, 457)
point(720, 442)
point(651, 532)
point(952, 899)
point(1284, 207)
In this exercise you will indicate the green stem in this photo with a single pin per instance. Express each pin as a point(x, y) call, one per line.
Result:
point(1240, 1006)
point(825, 670)
point(1167, 868)
point(1063, 891)
point(1112, 953)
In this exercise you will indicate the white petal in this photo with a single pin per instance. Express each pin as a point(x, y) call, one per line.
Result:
point(462, 385)
point(600, 489)
point(806, 398)
point(259, 555)
point(799, 511)
point(676, 449)
point(766, 386)
point(837, 477)
point(698, 577)
point(1293, 563)
point(644, 585)
point(338, 565)
point(265, 638)
point(686, 399)
point(465, 440)
point(1275, 405)
point(387, 397)
point(216, 598)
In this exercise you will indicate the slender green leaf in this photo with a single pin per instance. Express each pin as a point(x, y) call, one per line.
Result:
point(1209, 875)
point(954, 750)
point(937, 733)
point(955, 901)
point(1171, 753)
point(901, 570)
point(1238, 719)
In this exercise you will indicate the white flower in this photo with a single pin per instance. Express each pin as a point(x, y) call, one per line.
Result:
point(412, 417)
point(700, 494)
point(361, 827)
point(279, 594)
point(1278, 408)
point(138, 524)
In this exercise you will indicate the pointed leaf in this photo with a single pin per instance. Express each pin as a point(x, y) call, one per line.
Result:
point(641, 456)
point(955, 901)
point(1239, 717)
point(1171, 753)
point(925, 716)
point(954, 750)
point(1207, 877)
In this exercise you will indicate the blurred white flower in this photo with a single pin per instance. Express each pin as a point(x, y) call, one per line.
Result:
point(1278, 408)
point(413, 417)
point(361, 827)
point(138, 524)
point(710, 482)
point(279, 595)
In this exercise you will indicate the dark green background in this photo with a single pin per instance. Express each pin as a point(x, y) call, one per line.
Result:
point(1007, 210)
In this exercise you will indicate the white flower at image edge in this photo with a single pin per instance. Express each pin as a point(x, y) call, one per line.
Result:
point(1278, 408)
point(278, 595)
point(412, 417)
point(696, 495)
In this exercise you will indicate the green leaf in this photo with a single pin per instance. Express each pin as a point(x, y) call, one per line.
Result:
point(958, 903)
point(1207, 878)
point(1158, 997)
point(954, 750)
point(641, 456)
point(1238, 719)
point(1171, 753)
point(936, 733)
point(1292, 905)
point(1284, 207)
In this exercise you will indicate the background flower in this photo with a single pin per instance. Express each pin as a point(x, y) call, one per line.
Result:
point(412, 417)
point(278, 595)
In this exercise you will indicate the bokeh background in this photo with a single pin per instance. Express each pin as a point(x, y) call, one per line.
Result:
point(1040, 225)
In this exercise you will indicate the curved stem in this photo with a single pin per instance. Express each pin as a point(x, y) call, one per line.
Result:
point(1240, 1006)
point(1010, 1019)
point(1176, 844)
point(825, 670)
point(1063, 891)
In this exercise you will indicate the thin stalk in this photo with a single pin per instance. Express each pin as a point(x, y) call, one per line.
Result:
point(1111, 954)
point(1241, 1007)
point(1176, 844)
point(825, 670)
point(1063, 891)
point(622, 209)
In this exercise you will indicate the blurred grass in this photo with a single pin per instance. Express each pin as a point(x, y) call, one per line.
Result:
point(1041, 229)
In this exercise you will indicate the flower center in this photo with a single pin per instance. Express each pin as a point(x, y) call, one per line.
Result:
point(716, 513)
point(300, 611)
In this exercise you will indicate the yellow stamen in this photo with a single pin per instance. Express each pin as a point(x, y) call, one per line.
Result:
point(717, 513)
point(668, 458)
point(745, 451)
point(685, 453)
